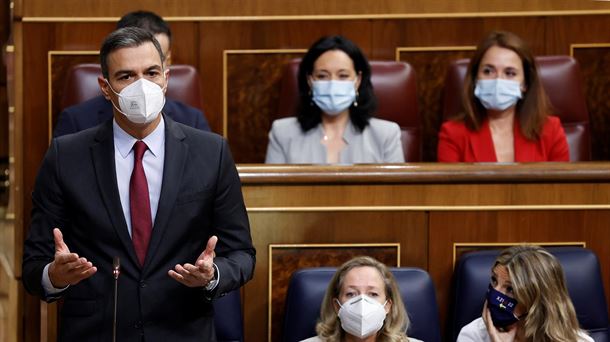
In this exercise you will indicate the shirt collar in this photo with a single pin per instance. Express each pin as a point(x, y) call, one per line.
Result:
point(124, 142)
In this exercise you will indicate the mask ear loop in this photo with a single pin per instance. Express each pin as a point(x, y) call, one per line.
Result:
point(117, 94)
point(165, 73)
point(340, 306)
point(108, 83)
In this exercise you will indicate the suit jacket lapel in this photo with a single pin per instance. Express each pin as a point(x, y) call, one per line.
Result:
point(482, 145)
point(102, 153)
point(525, 150)
point(173, 167)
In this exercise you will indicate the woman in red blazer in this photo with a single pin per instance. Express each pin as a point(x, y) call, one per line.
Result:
point(505, 116)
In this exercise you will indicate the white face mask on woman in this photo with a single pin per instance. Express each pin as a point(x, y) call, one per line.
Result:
point(141, 102)
point(362, 316)
point(333, 97)
point(498, 94)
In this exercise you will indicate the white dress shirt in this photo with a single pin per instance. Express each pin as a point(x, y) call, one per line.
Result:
point(152, 162)
point(123, 160)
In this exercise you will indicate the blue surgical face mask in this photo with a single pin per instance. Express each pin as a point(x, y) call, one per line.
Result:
point(501, 307)
point(498, 94)
point(334, 97)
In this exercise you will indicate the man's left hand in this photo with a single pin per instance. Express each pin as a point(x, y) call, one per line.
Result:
point(200, 274)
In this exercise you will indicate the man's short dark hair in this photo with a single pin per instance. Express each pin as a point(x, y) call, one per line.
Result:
point(145, 20)
point(124, 38)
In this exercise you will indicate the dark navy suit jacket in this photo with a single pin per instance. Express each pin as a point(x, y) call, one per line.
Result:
point(76, 190)
point(97, 110)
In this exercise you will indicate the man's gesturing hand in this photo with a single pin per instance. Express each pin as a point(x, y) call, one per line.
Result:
point(202, 272)
point(67, 268)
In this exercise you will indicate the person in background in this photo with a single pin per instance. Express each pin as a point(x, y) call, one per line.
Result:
point(97, 110)
point(362, 303)
point(506, 111)
point(527, 300)
point(336, 104)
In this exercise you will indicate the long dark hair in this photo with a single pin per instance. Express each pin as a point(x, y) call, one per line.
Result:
point(309, 114)
point(531, 110)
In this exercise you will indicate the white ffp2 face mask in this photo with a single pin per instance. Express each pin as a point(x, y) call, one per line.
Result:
point(362, 316)
point(498, 94)
point(141, 102)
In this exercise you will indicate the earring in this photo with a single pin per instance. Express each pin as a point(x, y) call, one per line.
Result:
point(356, 101)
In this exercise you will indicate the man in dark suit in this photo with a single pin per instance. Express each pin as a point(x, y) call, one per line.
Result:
point(97, 110)
point(163, 197)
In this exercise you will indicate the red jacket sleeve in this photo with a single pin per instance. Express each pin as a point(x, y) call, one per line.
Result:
point(555, 140)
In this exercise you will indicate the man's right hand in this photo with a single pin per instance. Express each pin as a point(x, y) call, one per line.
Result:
point(67, 268)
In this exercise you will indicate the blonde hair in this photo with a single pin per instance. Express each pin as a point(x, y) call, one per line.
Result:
point(539, 285)
point(396, 321)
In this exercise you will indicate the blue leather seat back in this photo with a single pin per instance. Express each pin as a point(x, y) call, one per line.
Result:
point(583, 277)
point(306, 291)
point(228, 320)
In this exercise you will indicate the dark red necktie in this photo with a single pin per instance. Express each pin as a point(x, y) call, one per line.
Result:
point(139, 204)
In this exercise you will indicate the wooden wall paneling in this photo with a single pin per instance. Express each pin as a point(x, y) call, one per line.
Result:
point(35, 107)
point(595, 234)
point(432, 63)
point(215, 8)
point(73, 43)
point(11, 309)
point(531, 29)
point(59, 63)
point(543, 226)
point(252, 94)
point(79, 36)
point(15, 210)
point(36, 79)
point(450, 31)
point(564, 31)
point(3, 133)
point(5, 27)
point(435, 196)
point(594, 60)
point(34, 137)
point(286, 259)
point(580, 32)
point(4, 306)
point(186, 39)
point(214, 38)
point(311, 226)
